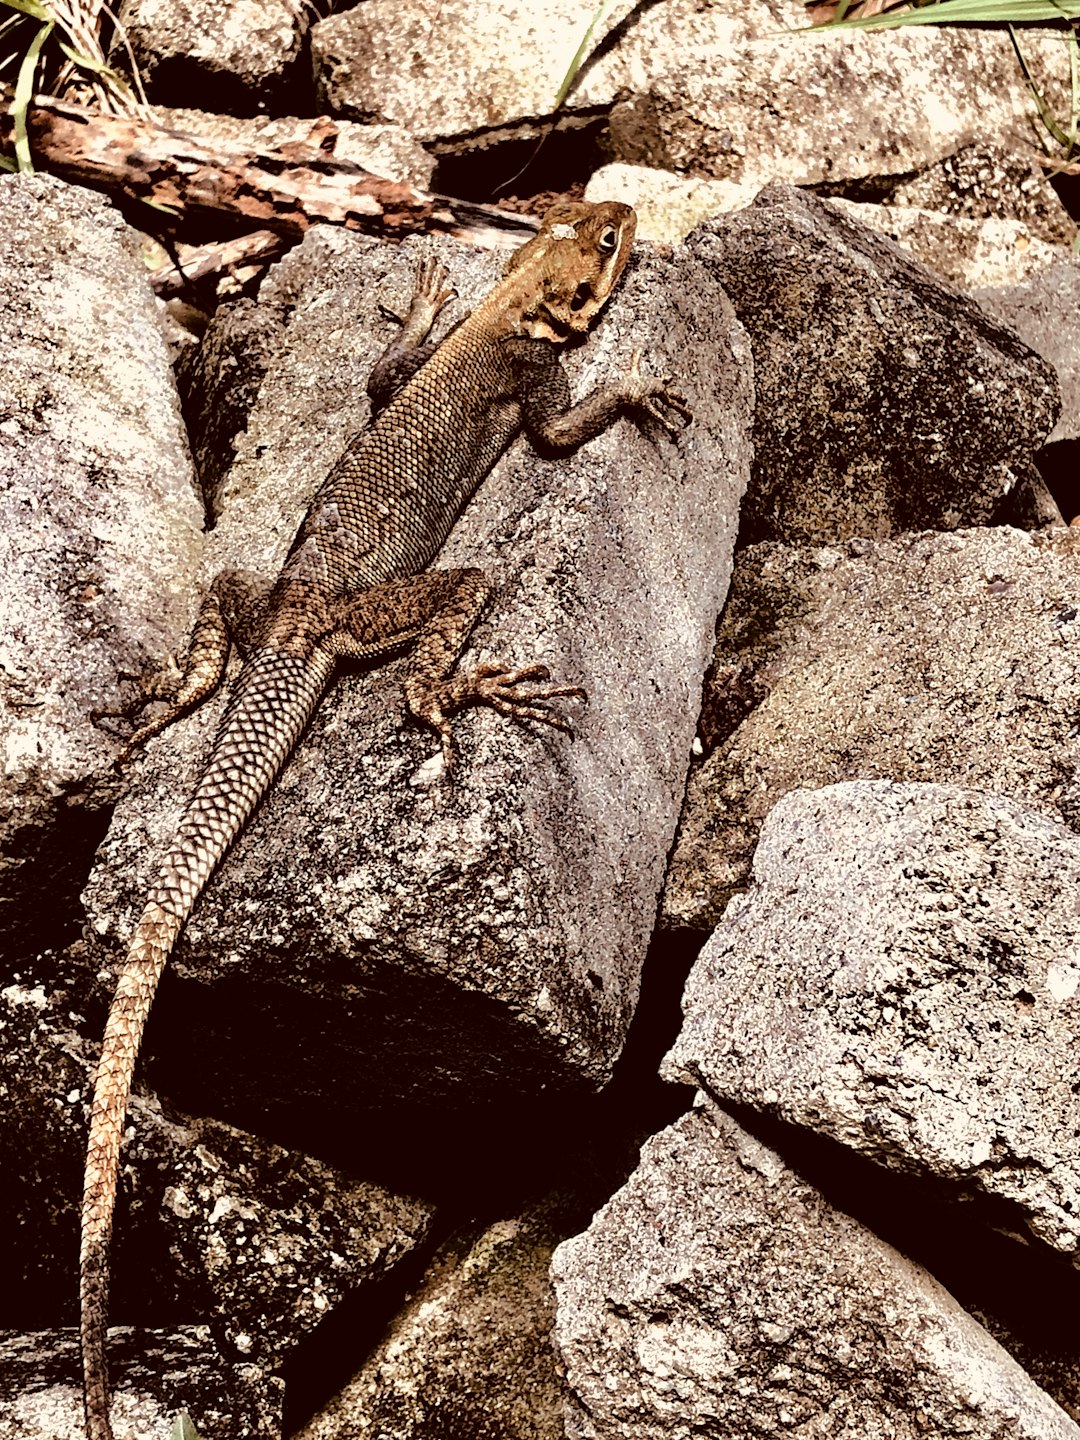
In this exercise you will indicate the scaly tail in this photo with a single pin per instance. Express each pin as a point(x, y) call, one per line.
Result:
point(273, 699)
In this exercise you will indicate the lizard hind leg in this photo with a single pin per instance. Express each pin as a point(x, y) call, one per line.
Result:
point(435, 612)
point(229, 614)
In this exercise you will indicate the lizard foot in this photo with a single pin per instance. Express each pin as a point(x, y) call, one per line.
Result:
point(657, 397)
point(494, 685)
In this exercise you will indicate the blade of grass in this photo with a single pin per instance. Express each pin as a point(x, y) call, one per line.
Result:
point(974, 12)
point(582, 50)
point(33, 8)
point(24, 93)
point(1046, 115)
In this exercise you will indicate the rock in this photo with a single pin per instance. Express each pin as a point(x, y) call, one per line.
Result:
point(470, 1353)
point(668, 206)
point(100, 529)
point(380, 934)
point(687, 84)
point(160, 1374)
point(718, 1294)
point(902, 976)
point(1043, 310)
point(841, 106)
point(380, 61)
point(385, 150)
point(858, 355)
point(931, 658)
point(980, 182)
point(213, 1224)
point(967, 253)
point(246, 55)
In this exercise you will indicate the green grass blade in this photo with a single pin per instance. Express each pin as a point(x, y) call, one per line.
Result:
point(1000, 12)
point(24, 93)
point(89, 63)
point(1046, 115)
point(582, 50)
point(33, 8)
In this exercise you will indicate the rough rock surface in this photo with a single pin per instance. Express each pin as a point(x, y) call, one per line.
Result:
point(470, 1353)
point(379, 931)
point(965, 252)
point(668, 206)
point(242, 56)
point(99, 530)
point(902, 976)
point(159, 1373)
point(981, 182)
point(718, 1294)
point(859, 353)
point(215, 1225)
point(928, 657)
point(838, 108)
point(689, 84)
point(1043, 310)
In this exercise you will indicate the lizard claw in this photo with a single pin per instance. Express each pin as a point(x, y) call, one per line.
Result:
point(657, 397)
point(493, 685)
point(432, 285)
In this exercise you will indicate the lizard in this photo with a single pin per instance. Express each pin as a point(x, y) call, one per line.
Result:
point(356, 584)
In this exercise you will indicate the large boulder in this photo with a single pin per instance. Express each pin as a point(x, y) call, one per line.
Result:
point(719, 1294)
point(100, 531)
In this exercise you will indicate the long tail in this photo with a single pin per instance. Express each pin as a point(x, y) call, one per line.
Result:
point(275, 695)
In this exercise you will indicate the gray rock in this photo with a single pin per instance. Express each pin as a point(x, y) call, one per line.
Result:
point(668, 206)
point(964, 252)
point(257, 1240)
point(245, 55)
point(885, 401)
point(982, 181)
point(100, 530)
point(841, 106)
point(933, 657)
point(475, 70)
point(470, 1353)
point(902, 976)
point(379, 931)
point(1043, 309)
point(719, 1294)
point(161, 1373)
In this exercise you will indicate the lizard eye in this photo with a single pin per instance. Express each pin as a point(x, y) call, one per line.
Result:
point(582, 295)
point(609, 238)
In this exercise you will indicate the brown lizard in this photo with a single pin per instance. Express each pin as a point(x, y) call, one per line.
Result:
point(356, 584)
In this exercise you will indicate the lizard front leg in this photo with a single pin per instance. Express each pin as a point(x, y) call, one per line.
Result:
point(555, 425)
point(405, 354)
point(435, 613)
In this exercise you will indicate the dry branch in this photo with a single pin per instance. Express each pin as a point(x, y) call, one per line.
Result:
point(285, 190)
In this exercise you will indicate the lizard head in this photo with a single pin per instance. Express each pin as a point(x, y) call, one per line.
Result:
point(571, 266)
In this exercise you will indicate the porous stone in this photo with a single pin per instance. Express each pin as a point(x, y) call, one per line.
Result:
point(245, 55)
point(965, 252)
point(719, 1294)
point(902, 976)
point(470, 1352)
point(885, 400)
point(1043, 309)
point(668, 206)
point(100, 532)
point(214, 1225)
point(382, 931)
point(929, 657)
point(841, 106)
point(161, 1374)
point(981, 181)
